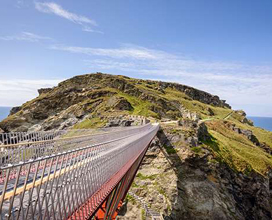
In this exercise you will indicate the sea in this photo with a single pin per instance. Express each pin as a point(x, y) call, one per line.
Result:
point(4, 111)
point(263, 122)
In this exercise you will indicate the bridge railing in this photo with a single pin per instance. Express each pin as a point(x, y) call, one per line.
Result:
point(55, 186)
point(21, 147)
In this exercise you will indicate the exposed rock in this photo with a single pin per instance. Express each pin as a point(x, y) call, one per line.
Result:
point(44, 90)
point(119, 122)
point(183, 185)
point(202, 132)
point(14, 110)
point(244, 119)
point(247, 121)
point(123, 104)
point(211, 113)
point(241, 112)
point(180, 176)
point(1, 131)
point(35, 128)
point(248, 133)
point(187, 123)
point(267, 149)
point(68, 123)
point(92, 94)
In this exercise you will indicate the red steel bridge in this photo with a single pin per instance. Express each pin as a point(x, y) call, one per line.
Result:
point(72, 174)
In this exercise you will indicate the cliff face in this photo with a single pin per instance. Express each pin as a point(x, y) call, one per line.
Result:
point(182, 181)
point(208, 161)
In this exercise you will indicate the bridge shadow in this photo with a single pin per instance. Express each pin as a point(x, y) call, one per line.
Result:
point(180, 167)
point(175, 162)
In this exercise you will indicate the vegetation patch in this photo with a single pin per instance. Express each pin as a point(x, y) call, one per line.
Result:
point(145, 177)
point(134, 185)
point(236, 150)
point(197, 150)
point(143, 214)
point(170, 150)
point(131, 199)
point(140, 107)
point(90, 123)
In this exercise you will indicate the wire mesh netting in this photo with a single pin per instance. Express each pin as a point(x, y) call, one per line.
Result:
point(48, 175)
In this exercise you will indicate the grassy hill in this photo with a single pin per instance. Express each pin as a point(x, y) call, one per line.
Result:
point(87, 101)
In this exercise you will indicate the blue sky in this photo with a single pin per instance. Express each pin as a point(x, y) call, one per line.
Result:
point(223, 47)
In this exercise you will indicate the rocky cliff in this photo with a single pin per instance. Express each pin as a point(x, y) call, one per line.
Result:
point(207, 162)
point(185, 179)
point(96, 94)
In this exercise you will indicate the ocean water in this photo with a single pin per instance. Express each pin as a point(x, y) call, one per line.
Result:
point(4, 111)
point(263, 122)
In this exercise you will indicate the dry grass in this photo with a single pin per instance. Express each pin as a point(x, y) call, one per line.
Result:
point(236, 150)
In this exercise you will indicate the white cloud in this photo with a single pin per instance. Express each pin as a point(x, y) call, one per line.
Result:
point(16, 92)
point(88, 29)
point(53, 8)
point(240, 84)
point(26, 36)
point(138, 53)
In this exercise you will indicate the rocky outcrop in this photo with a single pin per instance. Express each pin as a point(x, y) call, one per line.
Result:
point(123, 104)
point(185, 182)
point(96, 94)
point(196, 94)
point(125, 121)
point(44, 90)
point(119, 123)
point(243, 117)
point(14, 110)
point(248, 133)
point(182, 176)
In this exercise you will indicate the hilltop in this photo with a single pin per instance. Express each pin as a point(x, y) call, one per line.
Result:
point(208, 161)
point(96, 95)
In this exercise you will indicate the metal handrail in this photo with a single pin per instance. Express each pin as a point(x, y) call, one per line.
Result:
point(55, 186)
point(25, 151)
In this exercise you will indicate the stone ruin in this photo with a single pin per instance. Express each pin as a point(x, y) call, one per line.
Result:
point(126, 120)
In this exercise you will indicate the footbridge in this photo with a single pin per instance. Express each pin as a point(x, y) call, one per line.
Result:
point(70, 174)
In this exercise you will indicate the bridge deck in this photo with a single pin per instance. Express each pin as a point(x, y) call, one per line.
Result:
point(81, 172)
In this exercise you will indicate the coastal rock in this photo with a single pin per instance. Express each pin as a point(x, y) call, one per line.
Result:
point(14, 110)
point(96, 94)
point(44, 90)
point(123, 104)
point(182, 184)
point(35, 128)
point(248, 133)
point(119, 122)
point(68, 123)
point(211, 113)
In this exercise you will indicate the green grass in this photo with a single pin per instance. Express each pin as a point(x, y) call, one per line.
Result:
point(90, 123)
point(262, 134)
point(197, 150)
point(195, 106)
point(170, 150)
point(131, 199)
point(236, 150)
point(134, 185)
point(145, 177)
point(140, 107)
point(143, 214)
